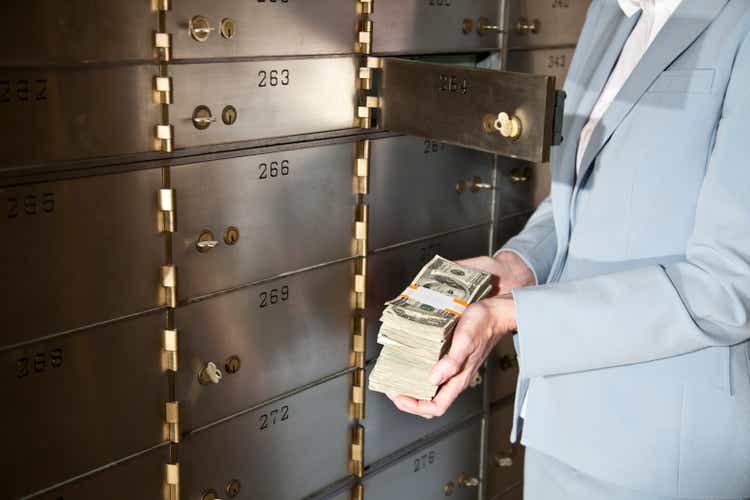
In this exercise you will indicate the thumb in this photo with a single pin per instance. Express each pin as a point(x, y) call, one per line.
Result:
point(444, 369)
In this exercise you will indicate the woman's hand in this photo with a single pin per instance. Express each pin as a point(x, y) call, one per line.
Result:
point(509, 271)
point(481, 326)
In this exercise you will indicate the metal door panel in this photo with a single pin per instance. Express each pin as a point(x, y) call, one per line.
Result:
point(508, 227)
point(503, 372)
point(285, 223)
point(320, 96)
point(79, 252)
point(516, 493)
point(426, 474)
point(521, 186)
point(288, 459)
point(268, 28)
point(68, 114)
point(433, 26)
point(553, 62)
point(459, 105)
point(505, 459)
point(285, 333)
point(140, 477)
point(559, 22)
point(78, 31)
point(390, 271)
point(388, 429)
point(73, 397)
point(414, 189)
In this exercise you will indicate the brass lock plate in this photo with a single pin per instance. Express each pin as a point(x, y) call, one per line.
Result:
point(451, 104)
point(200, 28)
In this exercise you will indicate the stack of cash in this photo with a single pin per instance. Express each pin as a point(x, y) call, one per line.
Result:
point(417, 326)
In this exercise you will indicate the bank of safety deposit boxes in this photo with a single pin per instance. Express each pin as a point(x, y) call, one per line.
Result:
point(206, 205)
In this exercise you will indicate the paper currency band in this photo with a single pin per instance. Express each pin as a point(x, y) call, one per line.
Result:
point(435, 299)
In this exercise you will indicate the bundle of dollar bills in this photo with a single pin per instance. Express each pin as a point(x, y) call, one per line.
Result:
point(417, 326)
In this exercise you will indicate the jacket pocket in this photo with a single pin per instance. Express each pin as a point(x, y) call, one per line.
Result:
point(690, 81)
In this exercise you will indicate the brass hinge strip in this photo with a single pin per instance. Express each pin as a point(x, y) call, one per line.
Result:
point(163, 90)
point(361, 229)
point(172, 481)
point(364, 32)
point(362, 167)
point(169, 285)
point(368, 103)
point(357, 451)
point(357, 408)
point(166, 206)
point(169, 345)
point(164, 138)
point(163, 46)
point(172, 421)
point(358, 492)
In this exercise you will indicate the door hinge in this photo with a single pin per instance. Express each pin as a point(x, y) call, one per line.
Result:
point(359, 329)
point(172, 481)
point(166, 206)
point(169, 285)
point(362, 167)
point(163, 46)
point(164, 138)
point(356, 465)
point(358, 492)
point(368, 103)
point(172, 421)
point(361, 229)
point(360, 283)
point(357, 407)
point(163, 89)
point(364, 31)
point(169, 345)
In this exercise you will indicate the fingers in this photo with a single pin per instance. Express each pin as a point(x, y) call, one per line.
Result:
point(411, 405)
point(452, 363)
point(440, 403)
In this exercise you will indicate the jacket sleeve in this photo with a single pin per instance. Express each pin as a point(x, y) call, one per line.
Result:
point(536, 244)
point(651, 313)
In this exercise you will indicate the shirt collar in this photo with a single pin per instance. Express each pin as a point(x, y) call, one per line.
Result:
point(630, 7)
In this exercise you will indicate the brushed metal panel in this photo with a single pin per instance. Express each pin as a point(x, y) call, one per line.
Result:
point(388, 429)
point(68, 114)
point(285, 460)
point(503, 372)
point(508, 227)
point(553, 62)
point(505, 459)
point(390, 271)
point(285, 222)
point(79, 252)
point(413, 189)
point(286, 333)
point(80, 401)
point(453, 104)
point(432, 26)
point(560, 22)
point(320, 96)
point(265, 28)
point(515, 493)
point(521, 186)
point(423, 475)
point(139, 477)
point(77, 31)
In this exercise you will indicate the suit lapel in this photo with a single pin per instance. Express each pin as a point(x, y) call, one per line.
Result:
point(601, 42)
point(687, 23)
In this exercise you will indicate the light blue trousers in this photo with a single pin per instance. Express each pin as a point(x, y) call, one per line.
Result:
point(546, 478)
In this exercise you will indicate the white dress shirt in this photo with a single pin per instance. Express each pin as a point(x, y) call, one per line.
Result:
point(655, 15)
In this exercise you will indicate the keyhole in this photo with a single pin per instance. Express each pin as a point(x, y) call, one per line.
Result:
point(229, 115)
point(231, 235)
point(233, 366)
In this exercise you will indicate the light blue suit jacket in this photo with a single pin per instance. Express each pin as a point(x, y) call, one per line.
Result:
point(634, 348)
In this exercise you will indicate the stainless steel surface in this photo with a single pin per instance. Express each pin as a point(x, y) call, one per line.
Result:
point(559, 22)
point(80, 401)
point(521, 186)
point(286, 450)
point(425, 474)
point(390, 271)
point(459, 105)
point(293, 209)
point(78, 31)
point(285, 333)
point(433, 26)
point(140, 477)
point(68, 114)
point(505, 459)
point(413, 191)
point(508, 227)
point(503, 371)
point(553, 62)
point(265, 28)
point(80, 252)
point(388, 429)
point(275, 97)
